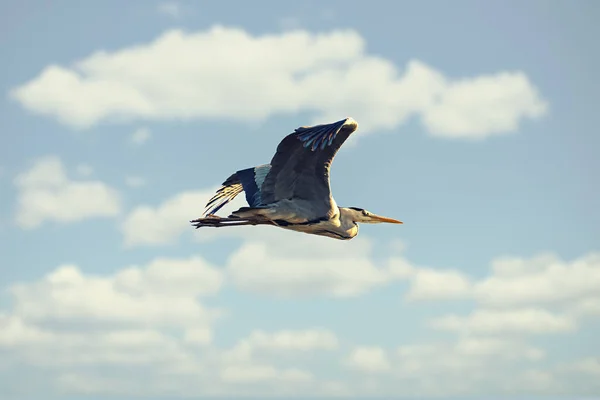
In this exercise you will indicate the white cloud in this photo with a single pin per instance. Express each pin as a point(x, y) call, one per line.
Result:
point(14, 331)
point(200, 336)
point(170, 8)
point(99, 333)
point(45, 193)
point(470, 366)
point(165, 223)
point(470, 356)
point(140, 136)
point(120, 348)
point(496, 347)
point(260, 344)
point(588, 366)
point(282, 267)
point(536, 381)
point(368, 359)
point(135, 181)
point(303, 340)
point(147, 225)
point(514, 283)
point(245, 362)
point(251, 78)
point(140, 318)
point(589, 306)
point(523, 321)
point(257, 373)
point(544, 279)
point(483, 106)
point(430, 284)
point(162, 293)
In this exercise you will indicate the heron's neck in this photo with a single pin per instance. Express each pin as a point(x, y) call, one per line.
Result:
point(348, 221)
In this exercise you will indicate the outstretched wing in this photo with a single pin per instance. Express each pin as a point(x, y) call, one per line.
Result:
point(300, 168)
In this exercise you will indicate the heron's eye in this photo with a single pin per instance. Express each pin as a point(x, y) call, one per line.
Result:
point(365, 213)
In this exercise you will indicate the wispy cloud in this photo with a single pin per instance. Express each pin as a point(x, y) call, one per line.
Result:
point(46, 193)
point(370, 359)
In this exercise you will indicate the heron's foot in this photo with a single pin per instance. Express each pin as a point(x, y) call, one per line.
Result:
point(209, 220)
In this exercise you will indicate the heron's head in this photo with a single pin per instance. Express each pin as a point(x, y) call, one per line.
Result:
point(366, 217)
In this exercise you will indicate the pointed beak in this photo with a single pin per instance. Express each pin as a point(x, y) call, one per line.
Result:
point(377, 218)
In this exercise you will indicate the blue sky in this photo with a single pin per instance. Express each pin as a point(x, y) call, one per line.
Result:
point(477, 128)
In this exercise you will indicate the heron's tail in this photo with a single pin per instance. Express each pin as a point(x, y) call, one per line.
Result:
point(250, 212)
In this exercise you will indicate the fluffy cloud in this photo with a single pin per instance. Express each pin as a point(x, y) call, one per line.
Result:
point(483, 106)
point(534, 321)
point(473, 346)
point(432, 284)
point(467, 352)
point(101, 329)
point(260, 344)
point(310, 339)
point(166, 222)
point(472, 365)
point(163, 224)
point(140, 318)
point(249, 361)
point(587, 307)
point(98, 334)
point(47, 194)
point(368, 359)
point(257, 373)
point(535, 295)
point(283, 268)
point(229, 73)
point(162, 293)
point(588, 366)
point(544, 279)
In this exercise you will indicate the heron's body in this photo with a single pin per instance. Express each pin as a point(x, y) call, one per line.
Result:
point(293, 191)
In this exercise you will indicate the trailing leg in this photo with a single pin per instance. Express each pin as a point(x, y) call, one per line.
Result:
point(217, 222)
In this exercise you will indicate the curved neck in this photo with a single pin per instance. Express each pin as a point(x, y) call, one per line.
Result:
point(348, 220)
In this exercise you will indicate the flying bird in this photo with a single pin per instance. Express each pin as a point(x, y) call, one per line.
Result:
point(293, 191)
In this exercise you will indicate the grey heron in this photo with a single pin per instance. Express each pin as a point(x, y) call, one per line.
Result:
point(293, 191)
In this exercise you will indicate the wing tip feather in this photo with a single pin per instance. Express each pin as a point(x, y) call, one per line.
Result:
point(322, 135)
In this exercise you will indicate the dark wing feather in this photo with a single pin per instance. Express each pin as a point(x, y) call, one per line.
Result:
point(226, 193)
point(300, 167)
point(246, 180)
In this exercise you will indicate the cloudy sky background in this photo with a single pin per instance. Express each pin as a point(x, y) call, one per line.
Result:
point(478, 127)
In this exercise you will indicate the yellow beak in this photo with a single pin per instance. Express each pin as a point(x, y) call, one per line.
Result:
point(385, 219)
